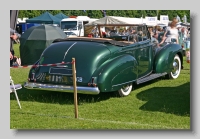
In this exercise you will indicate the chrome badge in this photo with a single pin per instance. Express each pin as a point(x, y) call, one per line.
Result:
point(79, 79)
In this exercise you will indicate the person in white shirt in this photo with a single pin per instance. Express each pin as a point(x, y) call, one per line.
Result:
point(107, 32)
point(171, 33)
point(184, 32)
point(95, 32)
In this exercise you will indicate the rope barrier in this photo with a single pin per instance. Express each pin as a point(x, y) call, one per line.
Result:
point(43, 65)
point(74, 79)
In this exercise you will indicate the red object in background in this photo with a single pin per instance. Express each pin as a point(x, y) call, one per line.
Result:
point(188, 56)
point(72, 16)
point(104, 34)
point(90, 35)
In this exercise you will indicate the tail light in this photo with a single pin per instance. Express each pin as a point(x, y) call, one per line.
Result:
point(33, 76)
point(92, 82)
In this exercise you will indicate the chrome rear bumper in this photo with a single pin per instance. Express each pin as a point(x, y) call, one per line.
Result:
point(62, 88)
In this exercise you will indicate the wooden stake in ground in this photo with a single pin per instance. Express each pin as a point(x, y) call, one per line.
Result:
point(75, 89)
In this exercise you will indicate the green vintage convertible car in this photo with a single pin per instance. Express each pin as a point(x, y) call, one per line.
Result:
point(105, 64)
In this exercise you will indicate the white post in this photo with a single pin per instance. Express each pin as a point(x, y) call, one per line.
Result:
point(75, 89)
point(12, 83)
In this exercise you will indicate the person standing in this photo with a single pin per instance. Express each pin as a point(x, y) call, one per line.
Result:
point(104, 13)
point(13, 34)
point(95, 32)
point(107, 33)
point(171, 33)
point(184, 31)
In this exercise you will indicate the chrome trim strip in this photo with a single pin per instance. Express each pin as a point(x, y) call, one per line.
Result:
point(63, 88)
point(135, 80)
point(68, 50)
point(59, 73)
point(145, 75)
point(124, 83)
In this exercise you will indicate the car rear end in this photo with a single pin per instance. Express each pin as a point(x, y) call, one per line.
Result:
point(54, 69)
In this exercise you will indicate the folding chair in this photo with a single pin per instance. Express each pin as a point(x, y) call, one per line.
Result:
point(13, 88)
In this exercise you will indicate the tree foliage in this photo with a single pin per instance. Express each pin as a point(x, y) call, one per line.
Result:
point(99, 13)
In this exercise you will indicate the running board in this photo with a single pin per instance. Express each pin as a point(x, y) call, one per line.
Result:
point(150, 77)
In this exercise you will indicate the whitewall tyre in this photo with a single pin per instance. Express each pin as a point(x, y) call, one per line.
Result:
point(176, 68)
point(125, 90)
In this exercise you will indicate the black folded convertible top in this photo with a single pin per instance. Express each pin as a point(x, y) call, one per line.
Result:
point(101, 40)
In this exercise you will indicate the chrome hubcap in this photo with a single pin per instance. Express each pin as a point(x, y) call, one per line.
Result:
point(125, 88)
point(175, 67)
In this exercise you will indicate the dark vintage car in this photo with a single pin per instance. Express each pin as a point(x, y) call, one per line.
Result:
point(104, 65)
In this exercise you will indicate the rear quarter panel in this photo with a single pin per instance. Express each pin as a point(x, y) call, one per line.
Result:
point(117, 72)
point(164, 58)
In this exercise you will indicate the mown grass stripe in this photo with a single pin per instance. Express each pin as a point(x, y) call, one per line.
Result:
point(100, 121)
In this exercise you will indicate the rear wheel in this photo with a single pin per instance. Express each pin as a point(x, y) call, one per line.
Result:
point(176, 68)
point(125, 90)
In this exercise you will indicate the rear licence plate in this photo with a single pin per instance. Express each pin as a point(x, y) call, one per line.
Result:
point(59, 79)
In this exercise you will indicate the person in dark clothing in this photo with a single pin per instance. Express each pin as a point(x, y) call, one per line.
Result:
point(104, 13)
point(14, 36)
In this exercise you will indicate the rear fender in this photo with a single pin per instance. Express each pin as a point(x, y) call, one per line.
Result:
point(164, 58)
point(116, 73)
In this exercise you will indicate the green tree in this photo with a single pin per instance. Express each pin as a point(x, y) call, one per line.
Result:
point(95, 13)
point(121, 13)
point(151, 12)
point(114, 12)
point(143, 13)
point(99, 14)
point(129, 13)
point(54, 12)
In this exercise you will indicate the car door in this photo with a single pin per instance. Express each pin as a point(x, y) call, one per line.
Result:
point(142, 52)
point(143, 56)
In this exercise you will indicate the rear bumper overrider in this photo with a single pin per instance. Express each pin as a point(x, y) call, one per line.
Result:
point(62, 88)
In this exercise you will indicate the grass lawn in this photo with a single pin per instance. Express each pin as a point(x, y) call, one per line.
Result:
point(158, 104)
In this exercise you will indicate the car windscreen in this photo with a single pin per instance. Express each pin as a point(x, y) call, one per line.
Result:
point(69, 25)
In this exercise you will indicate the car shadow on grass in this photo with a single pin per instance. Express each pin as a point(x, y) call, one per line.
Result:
point(173, 100)
point(57, 97)
point(64, 98)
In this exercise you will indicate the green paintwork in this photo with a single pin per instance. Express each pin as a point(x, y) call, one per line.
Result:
point(108, 65)
point(164, 59)
point(117, 71)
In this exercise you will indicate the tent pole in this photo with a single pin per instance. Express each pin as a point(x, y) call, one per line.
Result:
point(100, 32)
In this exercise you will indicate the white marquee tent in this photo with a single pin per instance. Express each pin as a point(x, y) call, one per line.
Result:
point(122, 20)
